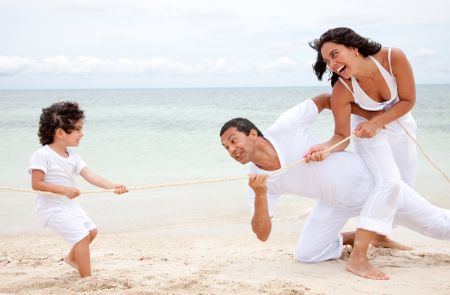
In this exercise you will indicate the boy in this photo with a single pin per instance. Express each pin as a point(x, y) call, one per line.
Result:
point(53, 169)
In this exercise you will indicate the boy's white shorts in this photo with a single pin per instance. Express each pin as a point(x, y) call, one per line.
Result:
point(71, 227)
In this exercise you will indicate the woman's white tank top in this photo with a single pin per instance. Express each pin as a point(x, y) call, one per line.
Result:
point(365, 101)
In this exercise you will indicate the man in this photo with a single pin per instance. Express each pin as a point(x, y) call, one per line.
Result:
point(340, 185)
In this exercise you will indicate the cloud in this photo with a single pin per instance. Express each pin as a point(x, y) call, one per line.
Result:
point(179, 41)
point(219, 65)
point(61, 65)
point(10, 66)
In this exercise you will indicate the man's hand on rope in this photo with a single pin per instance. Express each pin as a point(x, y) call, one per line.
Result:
point(316, 153)
point(258, 183)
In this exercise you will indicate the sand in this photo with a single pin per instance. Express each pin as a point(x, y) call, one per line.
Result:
point(215, 255)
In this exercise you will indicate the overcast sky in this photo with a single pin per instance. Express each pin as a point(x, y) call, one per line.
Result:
point(193, 43)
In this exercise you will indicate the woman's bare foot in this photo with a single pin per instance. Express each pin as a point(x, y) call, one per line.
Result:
point(361, 267)
point(70, 262)
point(385, 242)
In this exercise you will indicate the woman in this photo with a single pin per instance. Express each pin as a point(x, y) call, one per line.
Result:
point(375, 78)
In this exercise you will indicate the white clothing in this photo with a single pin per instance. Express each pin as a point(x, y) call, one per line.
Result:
point(321, 239)
point(51, 209)
point(71, 227)
point(402, 147)
point(390, 155)
point(341, 185)
point(365, 101)
point(328, 181)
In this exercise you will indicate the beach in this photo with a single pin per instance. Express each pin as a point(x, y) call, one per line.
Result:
point(215, 255)
point(194, 239)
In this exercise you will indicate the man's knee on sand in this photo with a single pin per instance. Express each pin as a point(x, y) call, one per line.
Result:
point(312, 251)
point(304, 257)
point(309, 254)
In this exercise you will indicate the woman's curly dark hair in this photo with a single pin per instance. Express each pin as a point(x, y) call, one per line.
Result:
point(346, 37)
point(59, 115)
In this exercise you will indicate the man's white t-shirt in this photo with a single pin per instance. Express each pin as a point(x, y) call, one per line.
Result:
point(342, 179)
point(58, 171)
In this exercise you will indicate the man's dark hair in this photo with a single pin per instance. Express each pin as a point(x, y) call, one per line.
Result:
point(346, 37)
point(62, 115)
point(242, 125)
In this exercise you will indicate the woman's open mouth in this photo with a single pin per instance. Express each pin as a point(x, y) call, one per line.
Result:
point(341, 69)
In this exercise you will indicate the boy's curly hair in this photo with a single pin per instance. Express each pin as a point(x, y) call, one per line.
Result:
point(62, 115)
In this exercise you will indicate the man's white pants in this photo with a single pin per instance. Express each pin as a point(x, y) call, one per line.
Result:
point(321, 239)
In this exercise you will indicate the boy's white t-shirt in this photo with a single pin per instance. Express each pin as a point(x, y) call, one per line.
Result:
point(58, 171)
point(342, 179)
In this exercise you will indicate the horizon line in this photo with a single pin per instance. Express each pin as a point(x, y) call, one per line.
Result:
point(187, 87)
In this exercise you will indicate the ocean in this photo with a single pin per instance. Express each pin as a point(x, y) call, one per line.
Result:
point(150, 136)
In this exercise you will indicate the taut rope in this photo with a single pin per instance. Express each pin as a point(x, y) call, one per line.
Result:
point(218, 180)
point(181, 183)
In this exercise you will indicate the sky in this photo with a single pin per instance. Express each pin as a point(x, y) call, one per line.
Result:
point(84, 44)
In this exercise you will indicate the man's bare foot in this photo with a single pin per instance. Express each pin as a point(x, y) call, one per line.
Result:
point(385, 242)
point(71, 263)
point(361, 267)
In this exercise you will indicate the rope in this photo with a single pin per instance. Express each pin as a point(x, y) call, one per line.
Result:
point(423, 152)
point(327, 151)
point(181, 183)
point(218, 180)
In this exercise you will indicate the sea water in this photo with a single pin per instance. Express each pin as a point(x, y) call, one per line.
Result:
point(150, 136)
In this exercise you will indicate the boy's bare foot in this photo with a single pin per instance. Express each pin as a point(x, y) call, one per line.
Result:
point(361, 267)
point(385, 242)
point(71, 263)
